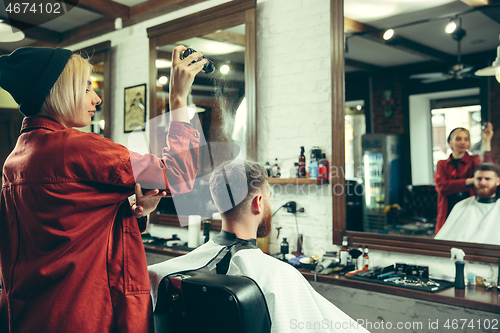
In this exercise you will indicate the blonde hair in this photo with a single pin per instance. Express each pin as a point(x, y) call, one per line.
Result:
point(67, 96)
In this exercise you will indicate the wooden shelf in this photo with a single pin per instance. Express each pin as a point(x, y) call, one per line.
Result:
point(297, 181)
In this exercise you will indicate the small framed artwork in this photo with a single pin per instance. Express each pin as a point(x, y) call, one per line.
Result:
point(135, 108)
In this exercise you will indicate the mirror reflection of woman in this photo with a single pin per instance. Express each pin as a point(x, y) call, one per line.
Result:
point(454, 176)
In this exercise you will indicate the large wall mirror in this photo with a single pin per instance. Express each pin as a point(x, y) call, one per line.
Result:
point(224, 100)
point(417, 105)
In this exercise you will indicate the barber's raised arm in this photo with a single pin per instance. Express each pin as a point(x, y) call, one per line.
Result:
point(181, 79)
point(487, 135)
point(176, 170)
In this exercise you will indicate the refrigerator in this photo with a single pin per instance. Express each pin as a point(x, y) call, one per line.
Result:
point(381, 170)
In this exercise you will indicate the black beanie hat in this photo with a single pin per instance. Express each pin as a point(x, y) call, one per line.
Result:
point(29, 73)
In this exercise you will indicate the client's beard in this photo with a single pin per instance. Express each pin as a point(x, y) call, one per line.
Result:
point(485, 192)
point(264, 228)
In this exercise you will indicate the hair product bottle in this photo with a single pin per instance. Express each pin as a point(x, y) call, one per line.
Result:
point(323, 168)
point(276, 170)
point(366, 258)
point(268, 169)
point(344, 251)
point(313, 165)
point(284, 248)
point(359, 263)
point(302, 163)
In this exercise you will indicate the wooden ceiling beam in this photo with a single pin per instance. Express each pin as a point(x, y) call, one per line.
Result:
point(163, 55)
point(90, 30)
point(363, 66)
point(477, 3)
point(352, 26)
point(227, 37)
point(401, 43)
point(106, 8)
point(138, 13)
point(154, 8)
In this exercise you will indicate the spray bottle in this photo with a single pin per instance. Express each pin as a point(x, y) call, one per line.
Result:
point(458, 255)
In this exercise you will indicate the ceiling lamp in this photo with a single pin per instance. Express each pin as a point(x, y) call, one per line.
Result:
point(494, 69)
point(451, 26)
point(10, 34)
point(163, 80)
point(388, 34)
point(224, 69)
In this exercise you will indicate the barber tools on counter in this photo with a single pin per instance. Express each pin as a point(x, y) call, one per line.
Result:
point(401, 275)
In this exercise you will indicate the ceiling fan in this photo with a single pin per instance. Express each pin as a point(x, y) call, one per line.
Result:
point(459, 70)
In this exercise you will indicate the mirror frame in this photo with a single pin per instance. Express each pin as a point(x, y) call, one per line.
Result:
point(102, 51)
point(207, 21)
point(405, 244)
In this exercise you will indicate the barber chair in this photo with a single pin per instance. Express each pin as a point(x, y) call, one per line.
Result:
point(417, 215)
point(196, 301)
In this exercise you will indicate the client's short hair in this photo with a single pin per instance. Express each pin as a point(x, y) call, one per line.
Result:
point(488, 167)
point(234, 183)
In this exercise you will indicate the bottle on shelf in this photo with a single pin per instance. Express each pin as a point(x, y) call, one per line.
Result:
point(302, 163)
point(323, 168)
point(366, 258)
point(294, 171)
point(359, 263)
point(276, 170)
point(344, 251)
point(313, 165)
point(268, 169)
point(285, 248)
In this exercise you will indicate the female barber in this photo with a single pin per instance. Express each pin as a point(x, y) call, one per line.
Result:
point(454, 176)
point(71, 254)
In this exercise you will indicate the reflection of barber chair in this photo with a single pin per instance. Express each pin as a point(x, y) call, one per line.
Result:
point(417, 216)
point(196, 301)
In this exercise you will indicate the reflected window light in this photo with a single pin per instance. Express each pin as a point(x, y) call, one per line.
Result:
point(102, 124)
point(162, 63)
point(163, 80)
point(224, 69)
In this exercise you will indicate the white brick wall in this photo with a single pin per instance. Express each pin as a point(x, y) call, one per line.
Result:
point(294, 109)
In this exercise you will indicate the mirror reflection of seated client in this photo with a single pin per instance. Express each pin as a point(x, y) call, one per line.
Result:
point(242, 196)
point(475, 219)
point(454, 176)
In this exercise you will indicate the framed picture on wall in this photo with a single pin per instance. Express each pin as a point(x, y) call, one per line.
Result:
point(135, 108)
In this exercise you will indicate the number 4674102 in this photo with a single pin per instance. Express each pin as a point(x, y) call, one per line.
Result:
point(34, 8)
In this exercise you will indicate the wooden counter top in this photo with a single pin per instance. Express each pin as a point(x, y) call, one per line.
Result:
point(472, 297)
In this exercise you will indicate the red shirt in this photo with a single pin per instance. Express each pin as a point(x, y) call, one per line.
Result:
point(450, 181)
point(71, 254)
